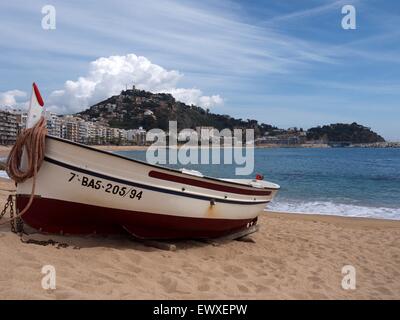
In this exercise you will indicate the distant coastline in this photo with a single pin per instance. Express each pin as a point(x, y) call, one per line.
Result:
point(326, 145)
point(262, 146)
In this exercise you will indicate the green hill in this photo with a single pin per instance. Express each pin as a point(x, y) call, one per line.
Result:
point(135, 108)
point(353, 133)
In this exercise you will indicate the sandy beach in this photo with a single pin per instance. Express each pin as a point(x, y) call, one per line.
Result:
point(4, 151)
point(119, 148)
point(293, 257)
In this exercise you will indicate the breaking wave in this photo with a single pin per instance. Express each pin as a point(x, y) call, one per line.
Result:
point(3, 174)
point(338, 209)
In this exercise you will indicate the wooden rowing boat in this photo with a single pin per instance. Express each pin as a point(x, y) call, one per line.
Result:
point(83, 190)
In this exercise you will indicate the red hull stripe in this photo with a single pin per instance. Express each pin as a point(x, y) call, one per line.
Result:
point(57, 216)
point(153, 188)
point(37, 94)
point(206, 185)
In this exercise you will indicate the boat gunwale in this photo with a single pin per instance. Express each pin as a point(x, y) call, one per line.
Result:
point(155, 188)
point(250, 187)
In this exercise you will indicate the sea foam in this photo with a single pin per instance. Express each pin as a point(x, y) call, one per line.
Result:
point(3, 174)
point(337, 209)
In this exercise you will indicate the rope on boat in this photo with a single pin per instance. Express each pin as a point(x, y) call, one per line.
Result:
point(32, 141)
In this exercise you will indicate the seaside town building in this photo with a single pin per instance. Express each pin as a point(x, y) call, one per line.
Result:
point(97, 131)
point(54, 124)
point(137, 136)
point(290, 137)
point(8, 128)
point(69, 127)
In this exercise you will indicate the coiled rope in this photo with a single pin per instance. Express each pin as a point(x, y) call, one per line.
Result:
point(32, 141)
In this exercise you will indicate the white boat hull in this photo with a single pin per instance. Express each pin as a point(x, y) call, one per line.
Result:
point(81, 190)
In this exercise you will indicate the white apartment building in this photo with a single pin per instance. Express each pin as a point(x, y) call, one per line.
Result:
point(8, 128)
point(54, 124)
point(137, 136)
point(68, 127)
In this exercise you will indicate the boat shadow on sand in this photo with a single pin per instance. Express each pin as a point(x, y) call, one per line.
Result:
point(124, 242)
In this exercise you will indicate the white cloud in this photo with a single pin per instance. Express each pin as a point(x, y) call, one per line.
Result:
point(11, 98)
point(108, 76)
point(195, 96)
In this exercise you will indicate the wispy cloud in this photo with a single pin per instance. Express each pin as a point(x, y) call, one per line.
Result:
point(222, 48)
point(174, 31)
point(310, 12)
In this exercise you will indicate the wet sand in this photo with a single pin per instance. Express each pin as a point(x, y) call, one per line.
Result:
point(294, 257)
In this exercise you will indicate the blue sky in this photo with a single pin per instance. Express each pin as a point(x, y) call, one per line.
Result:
point(287, 63)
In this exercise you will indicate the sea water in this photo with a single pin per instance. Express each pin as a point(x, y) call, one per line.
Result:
point(358, 182)
point(3, 174)
point(341, 181)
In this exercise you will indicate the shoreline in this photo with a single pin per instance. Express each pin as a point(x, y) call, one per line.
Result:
point(332, 218)
point(119, 148)
point(4, 150)
point(294, 256)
